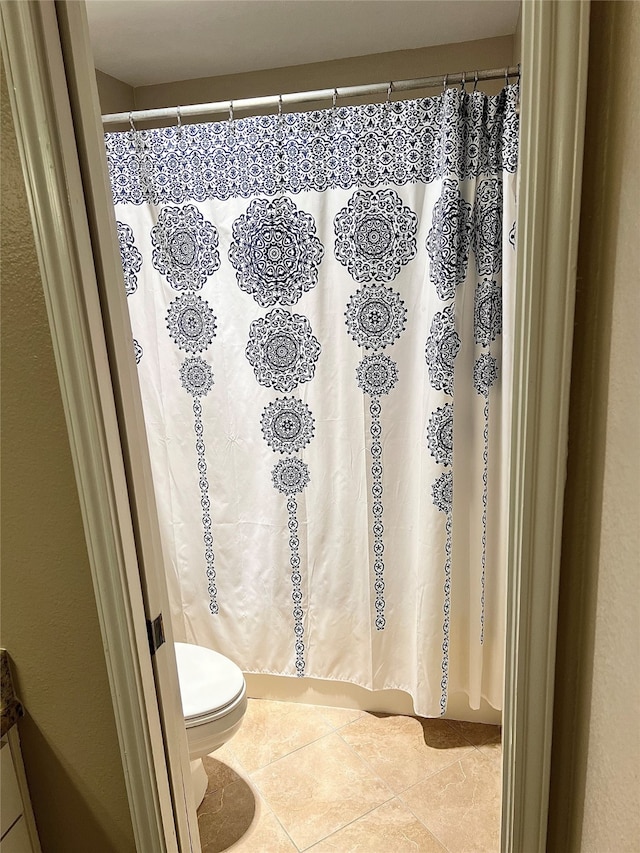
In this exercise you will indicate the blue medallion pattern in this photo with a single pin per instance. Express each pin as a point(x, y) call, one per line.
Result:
point(487, 312)
point(137, 351)
point(377, 509)
point(376, 375)
point(191, 323)
point(296, 585)
point(375, 316)
point(275, 252)
point(287, 425)
point(440, 434)
point(196, 377)
point(407, 142)
point(375, 235)
point(282, 350)
point(485, 373)
point(130, 257)
point(185, 247)
point(487, 227)
point(442, 491)
point(290, 476)
point(448, 240)
point(443, 345)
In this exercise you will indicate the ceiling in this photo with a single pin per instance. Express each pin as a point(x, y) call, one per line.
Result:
point(143, 42)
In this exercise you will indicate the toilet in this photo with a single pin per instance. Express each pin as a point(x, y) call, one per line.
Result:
point(214, 700)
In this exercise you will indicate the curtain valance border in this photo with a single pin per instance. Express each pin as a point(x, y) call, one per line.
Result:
point(396, 143)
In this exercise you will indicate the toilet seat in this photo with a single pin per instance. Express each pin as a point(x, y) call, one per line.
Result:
point(211, 686)
point(214, 701)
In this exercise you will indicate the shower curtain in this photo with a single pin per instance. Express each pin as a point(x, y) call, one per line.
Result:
point(322, 311)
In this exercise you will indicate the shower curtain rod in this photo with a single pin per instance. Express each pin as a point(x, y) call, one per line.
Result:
point(279, 101)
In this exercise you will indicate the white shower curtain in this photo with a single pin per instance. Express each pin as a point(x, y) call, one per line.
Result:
point(322, 308)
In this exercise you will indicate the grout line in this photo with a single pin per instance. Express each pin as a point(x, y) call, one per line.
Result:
point(292, 752)
point(426, 826)
point(336, 831)
point(429, 775)
point(264, 804)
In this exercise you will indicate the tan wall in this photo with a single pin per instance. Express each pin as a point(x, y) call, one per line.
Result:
point(595, 792)
point(115, 96)
point(375, 68)
point(49, 617)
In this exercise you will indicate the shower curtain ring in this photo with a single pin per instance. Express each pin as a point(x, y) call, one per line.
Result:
point(463, 81)
point(280, 107)
point(506, 76)
point(133, 127)
point(230, 116)
point(389, 92)
point(179, 118)
point(444, 83)
point(334, 99)
point(475, 81)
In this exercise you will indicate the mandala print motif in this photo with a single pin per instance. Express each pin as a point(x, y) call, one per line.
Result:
point(401, 144)
point(130, 257)
point(442, 491)
point(376, 375)
point(275, 252)
point(282, 350)
point(205, 505)
point(191, 323)
point(487, 312)
point(512, 236)
point(443, 345)
point(287, 425)
point(440, 434)
point(290, 476)
point(377, 509)
point(485, 373)
point(448, 240)
point(196, 377)
point(296, 585)
point(375, 316)
point(375, 235)
point(185, 247)
point(487, 227)
point(137, 351)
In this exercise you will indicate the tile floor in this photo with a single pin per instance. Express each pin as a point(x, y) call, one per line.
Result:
point(329, 780)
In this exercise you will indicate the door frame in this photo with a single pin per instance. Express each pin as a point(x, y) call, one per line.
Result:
point(53, 95)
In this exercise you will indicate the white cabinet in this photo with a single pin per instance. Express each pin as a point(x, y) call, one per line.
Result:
point(17, 826)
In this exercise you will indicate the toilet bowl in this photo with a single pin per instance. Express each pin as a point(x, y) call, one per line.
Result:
point(214, 700)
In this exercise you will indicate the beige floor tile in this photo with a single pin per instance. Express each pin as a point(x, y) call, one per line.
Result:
point(226, 815)
point(264, 836)
point(477, 733)
point(492, 751)
point(391, 828)
point(404, 750)
point(222, 767)
point(271, 730)
point(338, 717)
point(319, 789)
point(461, 805)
